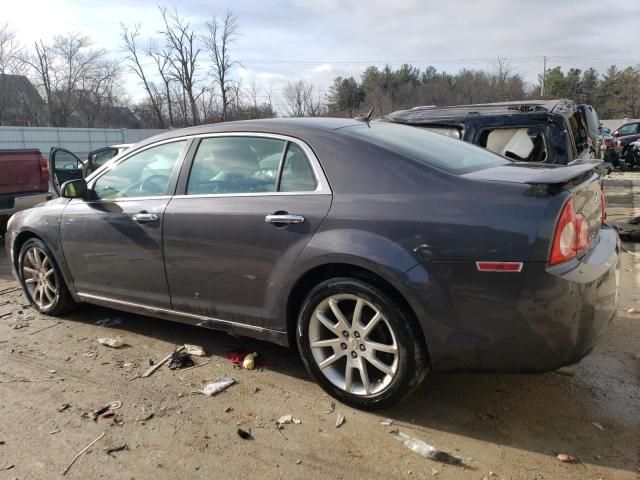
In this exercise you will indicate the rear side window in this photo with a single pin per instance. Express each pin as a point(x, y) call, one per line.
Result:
point(524, 144)
point(235, 164)
point(426, 147)
point(297, 175)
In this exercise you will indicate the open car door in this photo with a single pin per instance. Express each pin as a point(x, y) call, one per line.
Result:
point(63, 166)
point(99, 157)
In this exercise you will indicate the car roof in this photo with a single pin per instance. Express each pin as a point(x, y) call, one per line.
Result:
point(426, 114)
point(284, 126)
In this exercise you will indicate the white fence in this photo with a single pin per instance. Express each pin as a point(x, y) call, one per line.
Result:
point(78, 140)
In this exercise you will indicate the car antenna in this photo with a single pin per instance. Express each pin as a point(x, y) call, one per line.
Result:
point(365, 118)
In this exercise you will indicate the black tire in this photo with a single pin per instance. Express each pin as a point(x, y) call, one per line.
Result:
point(412, 360)
point(62, 301)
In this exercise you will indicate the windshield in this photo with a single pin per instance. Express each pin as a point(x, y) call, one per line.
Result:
point(433, 149)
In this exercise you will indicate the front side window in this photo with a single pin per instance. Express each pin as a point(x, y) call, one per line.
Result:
point(524, 144)
point(235, 164)
point(145, 174)
point(627, 129)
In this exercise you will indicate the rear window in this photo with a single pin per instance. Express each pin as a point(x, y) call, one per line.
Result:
point(426, 147)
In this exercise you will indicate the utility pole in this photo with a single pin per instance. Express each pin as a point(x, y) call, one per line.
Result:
point(544, 75)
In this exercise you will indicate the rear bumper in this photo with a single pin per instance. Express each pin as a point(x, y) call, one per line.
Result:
point(538, 320)
point(14, 203)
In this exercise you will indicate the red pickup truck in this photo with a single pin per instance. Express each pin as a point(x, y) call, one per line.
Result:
point(24, 181)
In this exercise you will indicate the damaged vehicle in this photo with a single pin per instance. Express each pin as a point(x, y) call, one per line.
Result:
point(548, 131)
point(380, 251)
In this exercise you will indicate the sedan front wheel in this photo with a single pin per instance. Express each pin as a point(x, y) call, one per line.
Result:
point(41, 280)
point(359, 344)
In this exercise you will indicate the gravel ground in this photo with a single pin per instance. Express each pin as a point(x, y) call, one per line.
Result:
point(502, 426)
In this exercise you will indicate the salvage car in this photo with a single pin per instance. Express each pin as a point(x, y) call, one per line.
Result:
point(549, 131)
point(630, 128)
point(381, 251)
point(623, 147)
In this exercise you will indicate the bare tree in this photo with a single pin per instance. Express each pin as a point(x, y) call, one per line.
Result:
point(130, 45)
point(182, 52)
point(66, 70)
point(218, 39)
point(502, 69)
point(9, 63)
point(300, 100)
point(162, 62)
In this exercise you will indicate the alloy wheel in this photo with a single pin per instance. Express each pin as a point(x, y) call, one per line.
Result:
point(39, 278)
point(353, 344)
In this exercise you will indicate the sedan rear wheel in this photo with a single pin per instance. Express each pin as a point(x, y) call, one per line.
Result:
point(359, 344)
point(41, 279)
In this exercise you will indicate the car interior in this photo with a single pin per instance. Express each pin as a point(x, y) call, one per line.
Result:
point(524, 144)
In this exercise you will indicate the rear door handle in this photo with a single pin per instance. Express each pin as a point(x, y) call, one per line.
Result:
point(144, 217)
point(284, 218)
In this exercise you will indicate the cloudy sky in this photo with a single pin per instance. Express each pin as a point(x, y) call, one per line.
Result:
point(321, 39)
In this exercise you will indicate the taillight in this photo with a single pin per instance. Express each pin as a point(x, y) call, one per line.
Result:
point(571, 236)
point(44, 171)
point(608, 143)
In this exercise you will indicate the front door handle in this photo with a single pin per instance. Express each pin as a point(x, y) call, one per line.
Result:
point(144, 217)
point(284, 219)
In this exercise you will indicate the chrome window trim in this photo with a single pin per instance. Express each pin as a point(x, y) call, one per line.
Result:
point(322, 187)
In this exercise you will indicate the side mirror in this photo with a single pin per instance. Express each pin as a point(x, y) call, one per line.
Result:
point(74, 189)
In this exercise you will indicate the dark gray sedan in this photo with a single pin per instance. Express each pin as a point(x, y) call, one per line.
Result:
point(380, 250)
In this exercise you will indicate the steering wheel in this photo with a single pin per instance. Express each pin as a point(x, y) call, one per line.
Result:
point(148, 185)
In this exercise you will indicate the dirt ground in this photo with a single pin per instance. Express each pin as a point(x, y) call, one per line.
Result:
point(502, 426)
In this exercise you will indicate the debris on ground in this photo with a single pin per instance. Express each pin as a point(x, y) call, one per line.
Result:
point(106, 411)
point(249, 361)
point(628, 232)
point(332, 408)
point(144, 417)
point(340, 420)
point(217, 386)
point(20, 324)
point(597, 425)
point(238, 359)
point(116, 342)
point(425, 450)
point(286, 420)
point(64, 406)
point(563, 457)
point(115, 448)
point(386, 422)
point(633, 310)
point(194, 350)
point(180, 360)
point(109, 322)
point(79, 454)
point(245, 434)
point(155, 367)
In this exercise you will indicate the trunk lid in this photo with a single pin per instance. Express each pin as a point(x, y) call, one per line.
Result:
point(582, 181)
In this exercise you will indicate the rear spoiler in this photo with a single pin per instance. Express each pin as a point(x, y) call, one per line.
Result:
point(562, 175)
